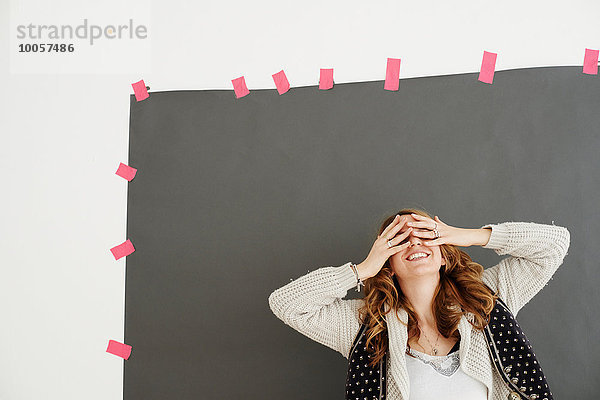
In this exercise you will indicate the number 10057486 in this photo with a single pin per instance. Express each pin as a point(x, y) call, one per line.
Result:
point(46, 48)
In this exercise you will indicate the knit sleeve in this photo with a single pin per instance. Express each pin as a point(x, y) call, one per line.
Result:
point(536, 251)
point(313, 305)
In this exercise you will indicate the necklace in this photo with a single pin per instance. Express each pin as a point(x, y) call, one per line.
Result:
point(434, 348)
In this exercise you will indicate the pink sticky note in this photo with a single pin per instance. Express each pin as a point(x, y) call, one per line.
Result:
point(119, 349)
point(326, 79)
point(590, 62)
point(125, 171)
point(392, 74)
point(139, 88)
point(281, 82)
point(122, 250)
point(488, 65)
point(239, 87)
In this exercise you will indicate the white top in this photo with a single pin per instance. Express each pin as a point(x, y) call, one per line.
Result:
point(440, 377)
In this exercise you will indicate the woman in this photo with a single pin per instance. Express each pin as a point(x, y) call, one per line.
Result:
point(427, 313)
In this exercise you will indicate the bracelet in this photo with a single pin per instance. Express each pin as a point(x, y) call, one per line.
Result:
point(359, 282)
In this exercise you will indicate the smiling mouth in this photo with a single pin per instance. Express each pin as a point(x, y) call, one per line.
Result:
point(418, 258)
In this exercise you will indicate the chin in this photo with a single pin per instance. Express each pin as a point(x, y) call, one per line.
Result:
point(424, 268)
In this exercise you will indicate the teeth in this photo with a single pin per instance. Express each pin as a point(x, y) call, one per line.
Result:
point(417, 255)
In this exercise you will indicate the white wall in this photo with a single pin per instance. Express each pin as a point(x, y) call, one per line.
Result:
point(64, 134)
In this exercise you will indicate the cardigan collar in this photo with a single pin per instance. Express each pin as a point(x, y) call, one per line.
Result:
point(472, 362)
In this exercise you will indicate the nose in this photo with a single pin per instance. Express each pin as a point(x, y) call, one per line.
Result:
point(414, 240)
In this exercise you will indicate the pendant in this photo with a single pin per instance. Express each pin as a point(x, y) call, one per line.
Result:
point(435, 352)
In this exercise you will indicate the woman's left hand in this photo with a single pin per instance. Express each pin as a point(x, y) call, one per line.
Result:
point(424, 227)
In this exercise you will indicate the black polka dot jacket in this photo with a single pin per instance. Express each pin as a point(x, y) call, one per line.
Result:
point(313, 304)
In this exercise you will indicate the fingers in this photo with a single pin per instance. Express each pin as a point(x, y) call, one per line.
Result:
point(436, 242)
point(424, 233)
point(398, 248)
point(394, 222)
point(394, 231)
point(400, 238)
point(420, 217)
point(387, 228)
point(422, 224)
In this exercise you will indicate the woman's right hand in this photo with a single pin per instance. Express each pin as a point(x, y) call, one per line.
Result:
point(380, 251)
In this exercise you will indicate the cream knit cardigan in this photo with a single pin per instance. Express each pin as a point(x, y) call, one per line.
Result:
point(313, 303)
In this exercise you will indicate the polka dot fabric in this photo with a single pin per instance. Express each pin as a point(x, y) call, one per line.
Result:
point(513, 356)
point(364, 382)
point(509, 349)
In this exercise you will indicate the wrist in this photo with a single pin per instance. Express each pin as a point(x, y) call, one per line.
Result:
point(481, 236)
point(363, 272)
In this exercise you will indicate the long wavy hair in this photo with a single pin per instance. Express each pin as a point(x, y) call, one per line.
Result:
point(460, 290)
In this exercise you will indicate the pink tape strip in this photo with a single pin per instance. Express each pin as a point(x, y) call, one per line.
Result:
point(119, 349)
point(281, 82)
point(590, 62)
point(392, 74)
point(125, 171)
point(239, 87)
point(326, 79)
point(122, 250)
point(139, 88)
point(488, 65)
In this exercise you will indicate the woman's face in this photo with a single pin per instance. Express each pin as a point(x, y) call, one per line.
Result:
point(405, 269)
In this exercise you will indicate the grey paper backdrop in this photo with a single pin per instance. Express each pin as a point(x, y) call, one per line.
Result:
point(235, 197)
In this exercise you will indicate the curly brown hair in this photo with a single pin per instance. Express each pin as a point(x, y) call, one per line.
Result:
point(460, 290)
